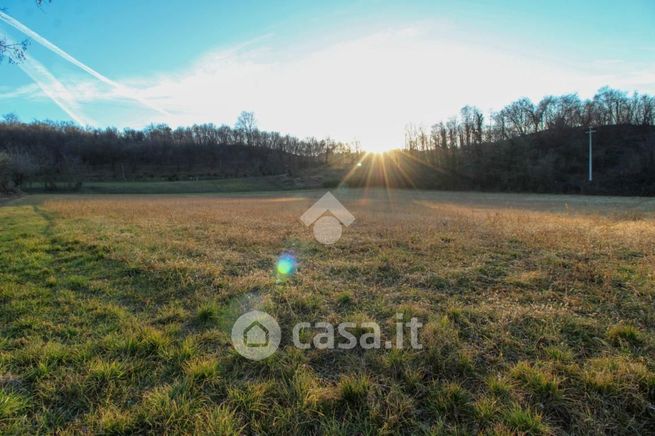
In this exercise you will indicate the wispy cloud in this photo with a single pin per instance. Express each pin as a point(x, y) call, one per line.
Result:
point(27, 91)
point(366, 88)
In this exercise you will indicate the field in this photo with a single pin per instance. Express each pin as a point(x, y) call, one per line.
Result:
point(538, 313)
point(275, 183)
point(311, 178)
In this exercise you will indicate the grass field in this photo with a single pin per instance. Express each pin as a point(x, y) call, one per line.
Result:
point(306, 179)
point(539, 314)
point(182, 186)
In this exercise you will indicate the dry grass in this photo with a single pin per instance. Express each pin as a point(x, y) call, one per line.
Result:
point(538, 309)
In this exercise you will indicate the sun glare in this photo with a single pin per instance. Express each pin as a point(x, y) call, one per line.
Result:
point(377, 148)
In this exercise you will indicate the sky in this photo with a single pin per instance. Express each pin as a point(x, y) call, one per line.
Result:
point(350, 70)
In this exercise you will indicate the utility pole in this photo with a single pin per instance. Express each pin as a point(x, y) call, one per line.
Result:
point(590, 132)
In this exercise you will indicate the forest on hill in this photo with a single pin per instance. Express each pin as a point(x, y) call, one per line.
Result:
point(64, 155)
point(540, 147)
point(524, 147)
point(551, 161)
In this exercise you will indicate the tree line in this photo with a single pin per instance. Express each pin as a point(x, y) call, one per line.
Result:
point(543, 146)
point(522, 117)
point(60, 154)
point(525, 146)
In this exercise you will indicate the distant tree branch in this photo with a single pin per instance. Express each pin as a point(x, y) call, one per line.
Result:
point(15, 51)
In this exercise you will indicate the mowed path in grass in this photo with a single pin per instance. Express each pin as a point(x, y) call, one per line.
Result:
point(539, 314)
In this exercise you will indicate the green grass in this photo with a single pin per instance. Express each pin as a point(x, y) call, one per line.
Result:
point(624, 333)
point(116, 316)
point(525, 421)
point(307, 179)
point(246, 184)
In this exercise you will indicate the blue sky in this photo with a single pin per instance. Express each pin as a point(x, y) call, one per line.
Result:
point(353, 70)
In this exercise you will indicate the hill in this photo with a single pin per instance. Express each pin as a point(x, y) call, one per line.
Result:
point(44, 157)
point(553, 161)
point(63, 156)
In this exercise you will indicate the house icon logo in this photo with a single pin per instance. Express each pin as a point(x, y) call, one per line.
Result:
point(256, 335)
point(327, 228)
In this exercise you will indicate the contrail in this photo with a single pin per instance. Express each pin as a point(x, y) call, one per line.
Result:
point(123, 90)
point(54, 89)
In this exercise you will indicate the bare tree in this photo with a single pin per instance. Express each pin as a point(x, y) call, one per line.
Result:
point(467, 117)
point(411, 137)
point(645, 114)
point(519, 115)
point(247, 125)
point(11, 118)
point(15, 51)
point(22, 166)
point(5, 174)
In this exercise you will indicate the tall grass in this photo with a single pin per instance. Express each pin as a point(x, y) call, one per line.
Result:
point(539, 315)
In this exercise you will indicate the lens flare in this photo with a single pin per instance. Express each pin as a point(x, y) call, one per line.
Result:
point(286, 265)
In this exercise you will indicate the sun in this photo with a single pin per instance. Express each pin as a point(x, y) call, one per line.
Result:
point(379, 147)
